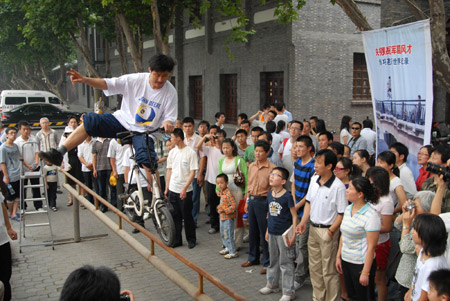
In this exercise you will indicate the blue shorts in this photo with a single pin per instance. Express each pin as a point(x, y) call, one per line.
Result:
point(107, 126)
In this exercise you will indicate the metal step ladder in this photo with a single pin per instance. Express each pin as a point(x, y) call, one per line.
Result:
point(45, 214)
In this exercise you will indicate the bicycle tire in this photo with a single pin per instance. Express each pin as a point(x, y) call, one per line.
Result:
point(167, 230)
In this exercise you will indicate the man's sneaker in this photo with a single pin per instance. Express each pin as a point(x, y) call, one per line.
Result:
point(232, 255)
point(287, 297)
point(267, 290)
point(41, 210)
point(52, 156)
point(298, 285)
point(54, 209)
point(224, 251)
point(146, 216)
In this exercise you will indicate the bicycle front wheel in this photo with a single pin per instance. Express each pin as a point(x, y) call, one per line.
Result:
point(167, 230)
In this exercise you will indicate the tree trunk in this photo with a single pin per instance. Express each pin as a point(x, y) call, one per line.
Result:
point(84, 49)
point(441, 60)
point(107, 62)
point(415, 9)
point(135, 56)
point(161, 45)
point(355, 15)
point(120, 47)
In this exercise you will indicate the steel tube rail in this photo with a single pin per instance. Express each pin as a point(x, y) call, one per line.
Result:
point(170, 273)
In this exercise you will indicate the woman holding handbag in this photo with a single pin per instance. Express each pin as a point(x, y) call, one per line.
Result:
point(235, 168)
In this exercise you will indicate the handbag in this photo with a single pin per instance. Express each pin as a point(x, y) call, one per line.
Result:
point(239, 179)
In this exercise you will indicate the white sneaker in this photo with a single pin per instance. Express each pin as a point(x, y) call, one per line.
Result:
point(224, 251)
point(246, 238)
point(146, 216)
point(287, 298)
point(298, 285)
point(232, 255)
point(41, 210)
point(267, 290)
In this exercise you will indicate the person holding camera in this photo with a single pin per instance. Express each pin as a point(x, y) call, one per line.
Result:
point(439, 156)
point(214, 154)
point(89, 283)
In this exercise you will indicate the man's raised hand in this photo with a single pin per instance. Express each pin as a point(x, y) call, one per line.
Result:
point(75, 76)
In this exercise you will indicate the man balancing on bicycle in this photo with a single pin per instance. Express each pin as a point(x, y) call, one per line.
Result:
point(149, 102)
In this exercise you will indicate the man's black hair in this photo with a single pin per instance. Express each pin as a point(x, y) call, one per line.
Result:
point(298, 122)
point(188, 120)
point(271, 126)
point(357, 123)
point(279, 106)
point(72, 117)
point(274, 113)
point(329, 157)
point(284, 172)
point(9, 129)
point(224, 134)
point(177, 132)
point(306, 140)
point(401, 149)
point(245, 121)
point(440, 279)
point(204, 122)
point(91, 284)
point(214, 127)
point(431, 230)
point(313, 118)
point(23, 123)
point(264, 144)
point(218, 114)
point(241, 131)
point(243, 116)
point(328, 134)
point(268, 136)
point(265, 106)
point(257, 129)
point(161, 63)
point(338, 147)
point(444, 151)
point(367, 123)
point(223, 176)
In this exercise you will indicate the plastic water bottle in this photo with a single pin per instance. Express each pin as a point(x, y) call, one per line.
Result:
point(11, 189)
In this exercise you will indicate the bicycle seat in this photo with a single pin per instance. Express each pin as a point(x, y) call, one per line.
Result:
point(125, 137)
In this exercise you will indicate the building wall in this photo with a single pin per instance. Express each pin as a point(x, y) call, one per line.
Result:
point(325, 40)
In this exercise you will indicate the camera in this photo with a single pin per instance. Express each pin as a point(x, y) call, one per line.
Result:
point(124, 297)
point(410, 206)
point(439, 170)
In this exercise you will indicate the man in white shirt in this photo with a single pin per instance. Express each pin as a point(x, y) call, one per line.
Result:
point(284, 151)
point(115, 155)
point(370, 136)
point(307, 131)
point(213, 154)
point(280, 116)
point(406, 176)
point(182, 164)
point(324, 207)
point(29, 153)
point(191, 139)
point(149, 102)
point(85, 156)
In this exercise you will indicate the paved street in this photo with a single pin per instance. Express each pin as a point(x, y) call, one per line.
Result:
point(39, 272)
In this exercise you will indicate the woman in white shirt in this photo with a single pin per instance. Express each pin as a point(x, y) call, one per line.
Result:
point(345, 135)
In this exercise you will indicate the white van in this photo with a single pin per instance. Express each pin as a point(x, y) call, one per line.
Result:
point(13, 98)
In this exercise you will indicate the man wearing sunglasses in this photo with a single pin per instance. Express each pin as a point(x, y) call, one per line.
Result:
point(357, 141)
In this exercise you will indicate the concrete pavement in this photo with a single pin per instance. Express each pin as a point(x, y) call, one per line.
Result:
point(39, 272)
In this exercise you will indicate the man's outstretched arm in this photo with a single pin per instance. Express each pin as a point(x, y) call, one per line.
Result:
point(97, 83)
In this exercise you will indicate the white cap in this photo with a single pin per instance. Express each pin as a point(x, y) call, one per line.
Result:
point(68, 130)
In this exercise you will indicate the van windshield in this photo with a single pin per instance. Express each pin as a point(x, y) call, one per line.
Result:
point(15, 100)
point(36, 99)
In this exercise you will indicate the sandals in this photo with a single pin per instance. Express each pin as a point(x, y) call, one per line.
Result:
point(69, 203)
point(16, 218)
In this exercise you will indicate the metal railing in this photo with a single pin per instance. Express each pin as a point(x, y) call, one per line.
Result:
point(194, 292)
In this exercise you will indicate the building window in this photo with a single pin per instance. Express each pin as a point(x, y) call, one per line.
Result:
point(361, 86)
point(272, 90)
point(229, 97)
point(196, 97)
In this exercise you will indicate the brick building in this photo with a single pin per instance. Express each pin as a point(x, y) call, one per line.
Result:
point(315, 65)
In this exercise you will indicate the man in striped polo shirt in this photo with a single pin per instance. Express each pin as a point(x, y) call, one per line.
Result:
point(303, 171)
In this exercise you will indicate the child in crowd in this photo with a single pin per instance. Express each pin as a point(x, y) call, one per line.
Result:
point(282, 215)
point(439, 285)
point(51, 178)
point(227, 211)
point(429, 233)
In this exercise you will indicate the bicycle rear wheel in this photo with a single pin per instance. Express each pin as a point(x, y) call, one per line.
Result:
point(167, 230)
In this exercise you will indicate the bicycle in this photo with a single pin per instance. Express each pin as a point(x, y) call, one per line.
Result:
point(134, 202)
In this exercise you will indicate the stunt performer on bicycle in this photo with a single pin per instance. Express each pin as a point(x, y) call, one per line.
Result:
point(149, 102)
